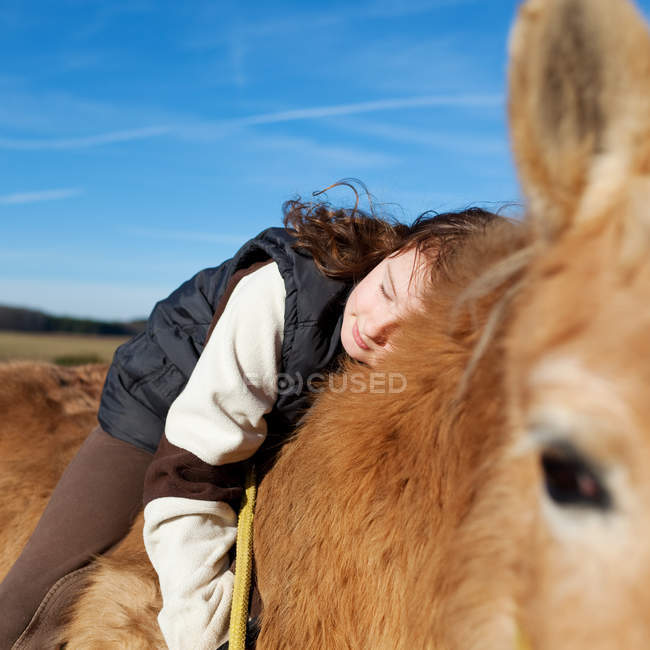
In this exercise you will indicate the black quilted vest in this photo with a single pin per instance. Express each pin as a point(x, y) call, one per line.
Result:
point(150, 370)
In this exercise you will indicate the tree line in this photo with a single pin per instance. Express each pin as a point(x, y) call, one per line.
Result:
point(29, 320)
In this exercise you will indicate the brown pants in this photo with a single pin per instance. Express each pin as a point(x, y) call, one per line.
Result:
point(91, 509)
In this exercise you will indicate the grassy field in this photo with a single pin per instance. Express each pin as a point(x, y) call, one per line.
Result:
point(65, 349)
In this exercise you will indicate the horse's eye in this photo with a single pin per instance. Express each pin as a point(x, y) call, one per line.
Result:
point(571, 480)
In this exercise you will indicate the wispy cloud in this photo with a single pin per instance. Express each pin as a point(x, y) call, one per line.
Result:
point(22, 109)
point(104, 13)
point(440, 63)
point(310, 149)
point(221, 128)
point(459, 101)
point(84, 142)
point(213, 31)
point(37, 197)
point(484, 144)
point(395, 8)
point(236, 56)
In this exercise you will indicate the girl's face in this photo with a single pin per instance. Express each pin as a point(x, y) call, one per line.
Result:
point(377, 304)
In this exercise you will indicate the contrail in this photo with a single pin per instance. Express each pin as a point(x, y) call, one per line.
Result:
point(35, 197)
point(84, 142)
point(460, 101)
point(223, 127)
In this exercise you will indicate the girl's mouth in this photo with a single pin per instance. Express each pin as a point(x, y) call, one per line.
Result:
point(357, 337)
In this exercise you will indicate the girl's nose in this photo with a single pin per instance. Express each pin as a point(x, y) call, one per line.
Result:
point(379, 329)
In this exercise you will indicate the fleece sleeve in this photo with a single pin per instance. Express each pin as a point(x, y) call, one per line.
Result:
point(215, 422)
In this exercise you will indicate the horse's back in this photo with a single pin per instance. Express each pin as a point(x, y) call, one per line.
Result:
point(47, 411)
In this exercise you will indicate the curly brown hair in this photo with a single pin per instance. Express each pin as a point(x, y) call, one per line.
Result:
point(348, 243)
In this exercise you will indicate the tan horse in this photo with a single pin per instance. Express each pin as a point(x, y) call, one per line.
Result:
point(504, 492)
point(46, 413)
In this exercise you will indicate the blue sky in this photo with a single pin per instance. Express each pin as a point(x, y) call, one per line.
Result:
point(142, 141)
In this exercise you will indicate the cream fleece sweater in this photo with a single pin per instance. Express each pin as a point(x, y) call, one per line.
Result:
point(219, 418)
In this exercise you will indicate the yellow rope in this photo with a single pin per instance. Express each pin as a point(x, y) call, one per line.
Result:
point(244, 565)
point(522, 640)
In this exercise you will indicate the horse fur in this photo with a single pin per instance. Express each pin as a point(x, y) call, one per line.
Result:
point(427, 518)
point(428, 521)
point(47, 411)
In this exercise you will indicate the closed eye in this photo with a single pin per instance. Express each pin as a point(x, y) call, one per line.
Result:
point(383, 292)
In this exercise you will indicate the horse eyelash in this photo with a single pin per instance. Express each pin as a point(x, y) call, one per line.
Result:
point(383, 292)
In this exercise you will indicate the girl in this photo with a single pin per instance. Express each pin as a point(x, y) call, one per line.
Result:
point(284, 308)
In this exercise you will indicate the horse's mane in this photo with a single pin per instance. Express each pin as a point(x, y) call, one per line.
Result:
point(504, 276)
